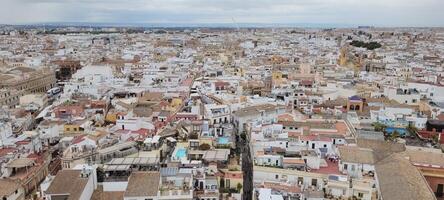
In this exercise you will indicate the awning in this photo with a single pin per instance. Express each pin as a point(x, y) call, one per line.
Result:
point(170, 139)
point(117, 167)
point(134, 161)
point(217, 155)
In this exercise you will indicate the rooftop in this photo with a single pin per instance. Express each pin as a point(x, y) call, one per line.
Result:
point(68, 182)
point(356, 155)
point(398, 179)
point(143, 184)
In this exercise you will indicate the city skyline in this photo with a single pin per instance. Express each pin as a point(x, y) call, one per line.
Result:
point(393, 13)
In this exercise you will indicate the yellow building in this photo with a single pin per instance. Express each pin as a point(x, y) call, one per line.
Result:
point(276, 77)
point(231, 179)
point(343, 56)
point(176, 103)
point(239, 72)
point(72, 129)
point(111, 117)
point(173, 104)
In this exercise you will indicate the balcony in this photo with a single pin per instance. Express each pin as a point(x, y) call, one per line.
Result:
point(175, 194)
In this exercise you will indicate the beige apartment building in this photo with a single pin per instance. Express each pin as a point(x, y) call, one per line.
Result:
point(9, 97)
point(38, 81)
point(14, 85)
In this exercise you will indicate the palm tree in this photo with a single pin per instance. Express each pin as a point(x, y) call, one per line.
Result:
point(412, 129)
point(379, 127)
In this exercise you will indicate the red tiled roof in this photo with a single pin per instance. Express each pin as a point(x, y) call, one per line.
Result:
point(293, 161)
point(186, 115)
point(187, 82)
point(122, 131)
point(306, 82)
point(5, 151)
point(282, 187)
point(142, 131)
point(440, 117)
point(78, 139)
point(221, 84)
point(332, 168)
point(233, 175)
point(424, 134)
point(23, 142)
point(315, 138)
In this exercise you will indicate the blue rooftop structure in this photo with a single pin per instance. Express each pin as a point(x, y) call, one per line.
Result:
point(355, 98)
point(401, 131)
point(223, 140)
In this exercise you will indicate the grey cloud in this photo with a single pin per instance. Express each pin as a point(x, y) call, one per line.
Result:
point(377, 12)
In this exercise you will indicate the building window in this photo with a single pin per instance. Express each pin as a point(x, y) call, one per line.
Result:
point(300, 180)
point(277, 176)
point(345, 166)
point(314, 182)
point(360, 195)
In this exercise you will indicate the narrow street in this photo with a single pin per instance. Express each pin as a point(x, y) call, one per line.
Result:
point(247, 167)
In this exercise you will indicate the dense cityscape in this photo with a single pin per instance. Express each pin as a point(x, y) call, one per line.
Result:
point(203, 113)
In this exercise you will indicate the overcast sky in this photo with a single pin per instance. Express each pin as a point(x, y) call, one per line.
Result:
point(352, 12)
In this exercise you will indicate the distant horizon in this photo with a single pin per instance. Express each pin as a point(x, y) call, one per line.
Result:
point(209, 25)
point(377, 13)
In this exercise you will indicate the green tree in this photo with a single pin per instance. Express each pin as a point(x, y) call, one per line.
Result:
point(100, 174)
point(395, 134)
point(204, 147)
point(139, 144)
point(435, 138)
point(239, 187)
point(243, 136)
point(412, 129)
point(379, 127)
point(193, 136)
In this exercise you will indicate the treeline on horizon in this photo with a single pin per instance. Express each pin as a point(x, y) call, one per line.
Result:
point(367, 45)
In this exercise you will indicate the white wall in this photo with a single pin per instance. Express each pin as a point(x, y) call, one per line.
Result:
point(17, 196)
point(140, 198)
point(313, 162)
point(115, 186)
point(259, 176)
point(269, 160)
point(358, 169)
point(89, 189)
